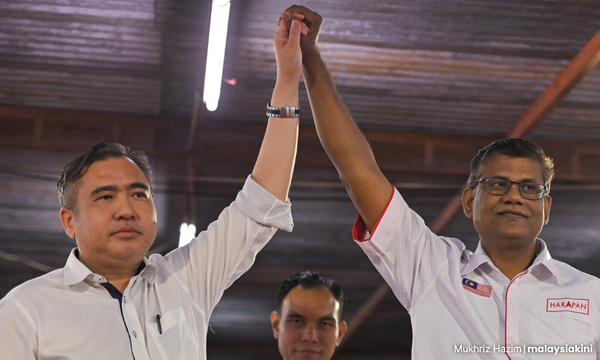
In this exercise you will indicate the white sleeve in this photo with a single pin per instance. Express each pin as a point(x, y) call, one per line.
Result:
point(404, 250)
point(228, 247)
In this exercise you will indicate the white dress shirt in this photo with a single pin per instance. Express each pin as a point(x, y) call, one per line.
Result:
point(462, 307)
point(69, 314)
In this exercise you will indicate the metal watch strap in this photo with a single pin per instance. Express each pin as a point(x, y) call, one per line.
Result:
point(284, 112)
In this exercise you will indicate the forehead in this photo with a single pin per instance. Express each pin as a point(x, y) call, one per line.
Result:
point(310, 303)
point(113, 171)
point(513, 168)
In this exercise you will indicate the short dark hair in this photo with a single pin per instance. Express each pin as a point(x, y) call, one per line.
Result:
point(512, 147)
point(310, 280)
point(76, 168)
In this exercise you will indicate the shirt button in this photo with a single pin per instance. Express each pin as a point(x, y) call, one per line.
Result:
point(134, 333)
point(125, 299)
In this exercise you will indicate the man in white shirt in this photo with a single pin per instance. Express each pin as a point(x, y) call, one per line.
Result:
point(110, 301)
point(307, 323)
point(508, 299)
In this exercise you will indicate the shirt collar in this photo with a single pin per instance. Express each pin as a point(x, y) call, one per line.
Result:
point(543, 262)
point(75, 271)
point(148, 273)
point(475, 260)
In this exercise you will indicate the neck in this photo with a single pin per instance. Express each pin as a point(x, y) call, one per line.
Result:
point(118, 280)
point(117, 274)
point(120, 284)
point(512, 262)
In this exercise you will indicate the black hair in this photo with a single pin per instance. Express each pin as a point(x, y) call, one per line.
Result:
point(310, 280)
point(67, 184)
point(512, 147)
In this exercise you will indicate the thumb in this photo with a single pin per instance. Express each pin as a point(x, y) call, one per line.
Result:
point(295, 29)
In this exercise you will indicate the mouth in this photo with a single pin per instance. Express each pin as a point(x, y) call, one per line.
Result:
point(127, 231)
point(512, 214)
point(307, 352)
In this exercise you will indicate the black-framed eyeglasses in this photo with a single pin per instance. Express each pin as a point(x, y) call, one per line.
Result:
point(497, 185)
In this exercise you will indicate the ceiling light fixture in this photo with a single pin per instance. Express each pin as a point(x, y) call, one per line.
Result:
point(215, 55)
point(187, 232)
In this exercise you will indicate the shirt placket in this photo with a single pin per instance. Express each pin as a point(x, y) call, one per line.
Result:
point(132, 320)
point(511, 313)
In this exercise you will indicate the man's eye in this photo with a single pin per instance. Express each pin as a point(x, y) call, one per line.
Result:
point(530, 187)
point(141, 194)
point(498, 184)
point(105, 197)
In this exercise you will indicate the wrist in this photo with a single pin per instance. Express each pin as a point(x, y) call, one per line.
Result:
point(283, 111)
point(285, 93)
point(287, 81)
point(310, 52)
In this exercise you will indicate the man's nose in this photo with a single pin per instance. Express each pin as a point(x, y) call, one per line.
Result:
point(514, 193)
point(125, 210)
point(310, 334)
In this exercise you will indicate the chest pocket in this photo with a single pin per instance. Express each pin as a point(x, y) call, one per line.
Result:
point(563, 328)
point(179, 337)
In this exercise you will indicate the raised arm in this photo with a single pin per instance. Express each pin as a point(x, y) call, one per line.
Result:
point(275, 162)
point(342, 140)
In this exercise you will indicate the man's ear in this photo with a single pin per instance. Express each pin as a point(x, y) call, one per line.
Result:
point(468, 196)
point(275, 324)
point(341, 332)
point(66, 217)
point(547, 206)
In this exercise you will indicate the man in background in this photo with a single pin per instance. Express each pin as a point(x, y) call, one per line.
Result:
point(307, 323)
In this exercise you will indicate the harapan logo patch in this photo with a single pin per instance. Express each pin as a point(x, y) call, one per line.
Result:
point(579, 306)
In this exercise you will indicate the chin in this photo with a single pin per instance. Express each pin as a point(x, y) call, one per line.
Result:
point(517, 240)
point(131, 252)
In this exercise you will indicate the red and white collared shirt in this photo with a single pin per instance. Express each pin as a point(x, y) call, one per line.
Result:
point(463, 307)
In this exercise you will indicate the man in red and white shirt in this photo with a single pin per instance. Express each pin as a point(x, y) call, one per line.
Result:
point(508, 299)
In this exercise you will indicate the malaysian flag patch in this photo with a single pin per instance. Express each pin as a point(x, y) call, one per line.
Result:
point(479, 289)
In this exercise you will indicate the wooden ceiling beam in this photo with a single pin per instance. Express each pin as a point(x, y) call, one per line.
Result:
point(576, 70)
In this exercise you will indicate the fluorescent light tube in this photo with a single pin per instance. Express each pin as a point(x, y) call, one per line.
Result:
point(215, 55)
